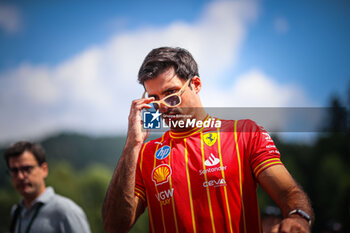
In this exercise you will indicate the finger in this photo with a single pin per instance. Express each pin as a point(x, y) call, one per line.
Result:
point(150, 98)
point(142, 106)
point(137, 107)
point(284, 227)
point(289, 225)
point(147, 100)
point(142, 101)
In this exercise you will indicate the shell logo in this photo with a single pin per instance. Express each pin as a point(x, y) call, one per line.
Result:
point(161, 174)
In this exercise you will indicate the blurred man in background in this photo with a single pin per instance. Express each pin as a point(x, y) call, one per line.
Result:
point(40, 210)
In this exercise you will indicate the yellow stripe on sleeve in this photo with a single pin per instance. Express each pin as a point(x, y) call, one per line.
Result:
point(140, 194)
point(265, 161)
point(266, 166)
point(141, 197)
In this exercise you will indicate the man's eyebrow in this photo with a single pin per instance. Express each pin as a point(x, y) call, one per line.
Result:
point(170, 89)
point(165, 91)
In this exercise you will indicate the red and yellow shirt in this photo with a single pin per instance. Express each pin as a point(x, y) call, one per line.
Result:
point(205, 179)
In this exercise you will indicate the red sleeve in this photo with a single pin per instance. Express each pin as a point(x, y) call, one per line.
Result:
point(140, 189)
point(262, 150)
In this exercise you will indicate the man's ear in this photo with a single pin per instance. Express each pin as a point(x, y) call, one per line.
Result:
point(196, 84)
point(45, 169)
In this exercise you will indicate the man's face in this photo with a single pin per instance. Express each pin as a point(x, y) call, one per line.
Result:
point(169, 83)
point(29, 180)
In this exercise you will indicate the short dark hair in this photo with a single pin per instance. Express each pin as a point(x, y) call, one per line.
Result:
point(161, 59)
point(20, 147)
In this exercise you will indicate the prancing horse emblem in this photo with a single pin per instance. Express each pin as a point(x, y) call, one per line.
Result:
point(210, 138)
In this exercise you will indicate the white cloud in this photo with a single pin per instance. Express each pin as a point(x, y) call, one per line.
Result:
point(255, 89)
point(9, 19)
point(254, 95)
point(92, 91)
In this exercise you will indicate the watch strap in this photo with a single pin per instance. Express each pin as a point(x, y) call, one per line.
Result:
point(302, 214)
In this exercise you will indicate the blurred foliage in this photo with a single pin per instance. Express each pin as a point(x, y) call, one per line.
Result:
point(86, 187)
point(81, 167)
point(141, 226)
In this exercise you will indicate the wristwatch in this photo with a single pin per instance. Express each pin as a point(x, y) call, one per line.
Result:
point(302, 214)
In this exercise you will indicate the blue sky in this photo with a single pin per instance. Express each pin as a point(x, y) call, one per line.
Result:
point(73, 66)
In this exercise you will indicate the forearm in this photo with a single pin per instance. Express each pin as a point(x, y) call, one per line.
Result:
point(282, 188)
point(295, 198)
point(119, 207)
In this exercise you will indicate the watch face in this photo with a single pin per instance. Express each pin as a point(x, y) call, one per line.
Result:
point(304, 214)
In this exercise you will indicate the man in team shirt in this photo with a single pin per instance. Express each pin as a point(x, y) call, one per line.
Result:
point(196, 178)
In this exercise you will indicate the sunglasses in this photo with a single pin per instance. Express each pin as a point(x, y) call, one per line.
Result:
point(25, 170)
point(170, 101)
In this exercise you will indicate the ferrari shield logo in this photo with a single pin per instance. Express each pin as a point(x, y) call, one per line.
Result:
point(210, 138)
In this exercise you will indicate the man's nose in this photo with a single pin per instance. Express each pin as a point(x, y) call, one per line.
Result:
point(20, 175)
